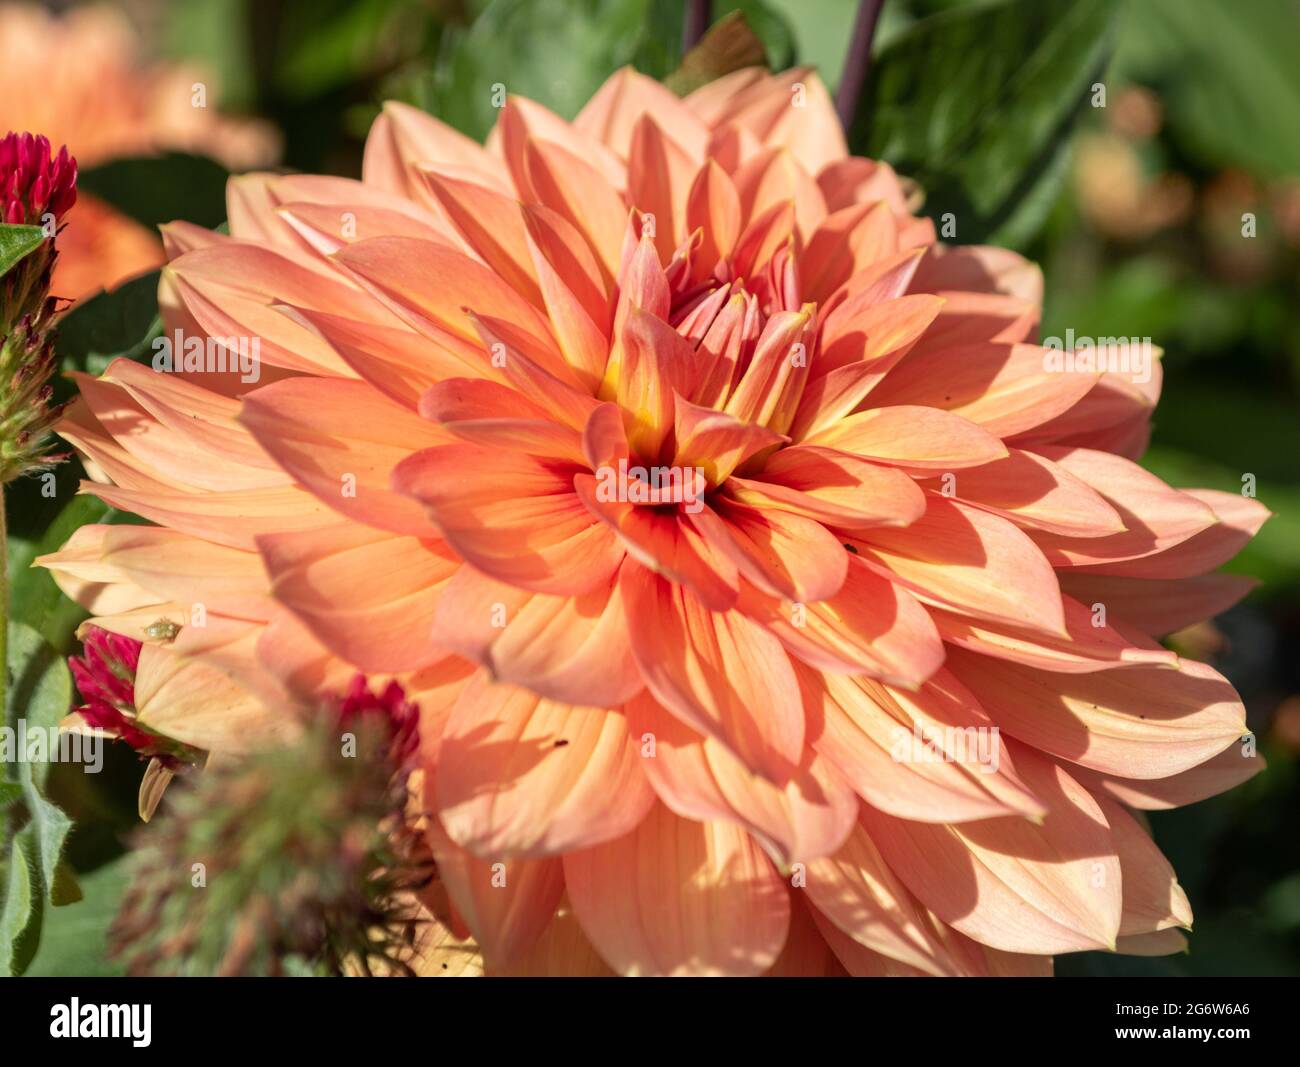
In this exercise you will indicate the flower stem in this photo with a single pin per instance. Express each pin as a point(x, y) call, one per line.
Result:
point(857, 62)
point(698, 16)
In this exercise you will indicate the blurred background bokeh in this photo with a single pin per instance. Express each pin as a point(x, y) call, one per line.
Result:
point(1175, 215)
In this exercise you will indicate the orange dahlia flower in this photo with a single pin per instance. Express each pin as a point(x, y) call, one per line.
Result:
point(79, 79)
point(772, 601)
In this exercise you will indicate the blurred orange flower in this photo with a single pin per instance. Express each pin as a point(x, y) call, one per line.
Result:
point(80, 79)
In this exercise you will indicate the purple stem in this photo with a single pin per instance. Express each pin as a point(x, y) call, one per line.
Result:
point(699, 14)
point(857, 62)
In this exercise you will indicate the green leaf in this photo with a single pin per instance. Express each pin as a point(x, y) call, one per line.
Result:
point(124, 322)
point(74, 939)
point(19, 914)
point(16, 243)
point(34, 598)
point(976, 104)
point(158, 189)
point(39, 694)
point(557, 52)
point(1227, 74)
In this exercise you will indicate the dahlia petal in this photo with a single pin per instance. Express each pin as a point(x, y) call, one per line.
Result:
point(398, 362)
point(328, 227)
point(677, 897)
point(552, 383)
point(716, 442)
point(846, 242)
point(711, 102)
point(562, 951)
point(774, 178)
point(176, 566)
point(233, 518)
point(656, 363)
point(575, 300)
point(981, 269)
point(968, 318)
point(1153, 899)
point(969, 561)
point(492, 226)
point(180, 237)
point(433, 283)
point(1155, 516)
point(806, 953)
point(858, 961)
point(523, 777)
point(700, 779)
point(86, 578)
point(1088, 646)
point(505, 904)
point(1014, 884)
point(906, 436)
point(763, 237)
point(295, 657)
point(604, 438)
point(257, 272)
point(855, 356)
point(783, 554)
point(330, 190)
point(811, 131)
point(368, 595)
point(577, 191)
point(1141, 722)
point(1006, 388)
point(402, 137)
point(525, 122)
point(1169, 942)
point(1034, 492)
point(198, 704)
point(874, 285)
point(611, 115)
point(513, 517)
point(713, 208)
point(202, 416)
point(855, 180)
point(1227, 770)
point(832, 487)
point(668, 543)
point(1239, 519)
point(732, 329)
point(494, 415)
point(855, 890)
point(161, 452)
point(909, 753)
point(1158, 606)
point(1114, 400)
point(870, 625)
point(341, 441)
point(252, 220)
point(715, 671)
point(572, 258)
point(566, 648)
point(659, 177)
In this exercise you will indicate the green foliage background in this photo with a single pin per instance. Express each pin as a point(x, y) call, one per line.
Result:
point(987, 104)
